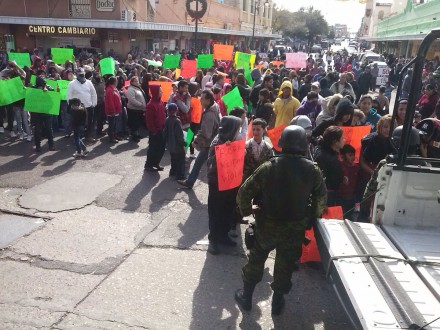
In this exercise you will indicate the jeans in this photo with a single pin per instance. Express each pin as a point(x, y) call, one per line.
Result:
point(90, 122)
point(22, 119)
point(201, 159)
point(79, 144)
point(178, 165)
point(134, 121)
point(43, 122)
point(112, 122)
point(156, 149)
point(66, 118)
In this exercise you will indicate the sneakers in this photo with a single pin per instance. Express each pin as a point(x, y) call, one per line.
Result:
point(150, 169)
point(29, 138)
point(184, 183)
point(213, 248)
point(159, 168)
point(192, 156)
point(85, 153)
point(13, 134)
point(77, 154)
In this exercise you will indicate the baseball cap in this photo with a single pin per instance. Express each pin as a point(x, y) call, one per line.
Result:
point(80, 71)
point(316, 84)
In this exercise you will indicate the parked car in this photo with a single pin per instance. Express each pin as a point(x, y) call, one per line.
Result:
point(369, 57)
point(316, 49)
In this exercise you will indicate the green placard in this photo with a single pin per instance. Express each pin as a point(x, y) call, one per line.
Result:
point(233, 99)
point(41, 101)
point(171, 61)
point(61, 55)
point(107, 66)
point(33, 80)
point(189, 137)
point(243, 61)
point(205, 61)
point(52, 83)
point(22, 59)
point(247, 75)
point(12, 90)
point(62, 85)
point(154, 63)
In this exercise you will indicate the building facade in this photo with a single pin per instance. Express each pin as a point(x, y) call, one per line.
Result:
point(402, 32)
point(122, 25)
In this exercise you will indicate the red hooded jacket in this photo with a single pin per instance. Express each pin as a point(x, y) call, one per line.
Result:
point(112, 101)
point(155, 113)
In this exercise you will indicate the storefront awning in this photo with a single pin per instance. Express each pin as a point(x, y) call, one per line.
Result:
point(420, 36)
point(111, 24)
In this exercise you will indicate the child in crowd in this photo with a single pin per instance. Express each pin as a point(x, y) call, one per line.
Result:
point(310, 108)
point(240, 113)
point(376, 106)
point(383, 101)
point(358, 116)
point(348, 188)
point(371, 115)
point(257, 151)
point(388, 90)
point(78, 115)
point(175, 142)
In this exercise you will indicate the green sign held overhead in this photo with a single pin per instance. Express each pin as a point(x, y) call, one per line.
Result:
point(107, 66)
point(11, 90)
point(233, 99)
point(61, 55)
point(40, 101)
point(205, 61)
point(171, 61)
point(154, 63)
point(22, 59)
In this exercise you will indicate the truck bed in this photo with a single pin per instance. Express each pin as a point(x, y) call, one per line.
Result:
point(379, 292)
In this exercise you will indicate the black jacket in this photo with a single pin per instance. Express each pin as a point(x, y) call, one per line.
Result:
point(328, 162)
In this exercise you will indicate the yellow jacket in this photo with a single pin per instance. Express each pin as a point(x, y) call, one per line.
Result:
point(285, 109)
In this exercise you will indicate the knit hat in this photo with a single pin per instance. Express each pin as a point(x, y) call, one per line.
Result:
point(172, 107)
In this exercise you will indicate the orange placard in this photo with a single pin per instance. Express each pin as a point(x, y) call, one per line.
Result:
point(230, 161)
point(249, 130)
point(196, 110)
point(274, 136)
point(167, 89)
point(310, 251)
point(333, 212)
point(353, 136)
point(277, 63)
point(259, 66)
point(126, 84)
point(223, 52)
point(189, 68)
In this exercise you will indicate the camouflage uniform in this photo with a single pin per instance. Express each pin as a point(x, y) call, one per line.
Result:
point(293, 192)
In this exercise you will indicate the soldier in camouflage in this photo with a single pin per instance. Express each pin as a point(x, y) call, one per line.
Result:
point(293, 193)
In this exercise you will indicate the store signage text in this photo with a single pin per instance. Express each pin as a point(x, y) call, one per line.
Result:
point(61, 29)
point(105, 5)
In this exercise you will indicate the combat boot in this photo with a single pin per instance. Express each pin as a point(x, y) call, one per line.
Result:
point(277, 303)
point(243, 297)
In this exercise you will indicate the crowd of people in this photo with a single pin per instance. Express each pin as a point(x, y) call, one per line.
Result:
point(313, 103)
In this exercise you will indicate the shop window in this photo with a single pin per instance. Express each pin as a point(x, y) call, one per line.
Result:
point(245, 3)
point(113, 37)
point(80, 9)
point(380, 15)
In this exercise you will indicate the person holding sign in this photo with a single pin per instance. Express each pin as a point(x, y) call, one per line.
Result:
point(42, 121)
point(281, 218)
point(221, 204)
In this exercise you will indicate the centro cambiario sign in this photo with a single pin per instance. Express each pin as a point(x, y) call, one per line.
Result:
point(47, 29)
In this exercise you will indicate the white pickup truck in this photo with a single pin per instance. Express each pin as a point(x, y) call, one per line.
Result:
point(387, 273)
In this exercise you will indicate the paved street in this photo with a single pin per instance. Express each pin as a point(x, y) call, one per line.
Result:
point(96, 243)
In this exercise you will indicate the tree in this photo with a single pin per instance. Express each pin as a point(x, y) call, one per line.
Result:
point(306, 23)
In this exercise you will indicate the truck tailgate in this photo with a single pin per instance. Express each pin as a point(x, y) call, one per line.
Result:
point(377, 292)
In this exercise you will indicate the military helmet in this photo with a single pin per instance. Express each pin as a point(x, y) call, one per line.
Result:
point(414, 138)
point(303, 121)
point(293, 140)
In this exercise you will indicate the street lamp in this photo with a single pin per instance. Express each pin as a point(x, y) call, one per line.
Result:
point(257, 6)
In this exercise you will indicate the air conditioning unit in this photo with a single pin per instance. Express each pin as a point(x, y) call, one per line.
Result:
point(228, 26)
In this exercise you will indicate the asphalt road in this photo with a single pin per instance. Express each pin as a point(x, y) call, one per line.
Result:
point(107, 246)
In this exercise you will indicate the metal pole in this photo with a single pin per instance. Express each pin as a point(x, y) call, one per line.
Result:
point(197, 27)
point(253, 29)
